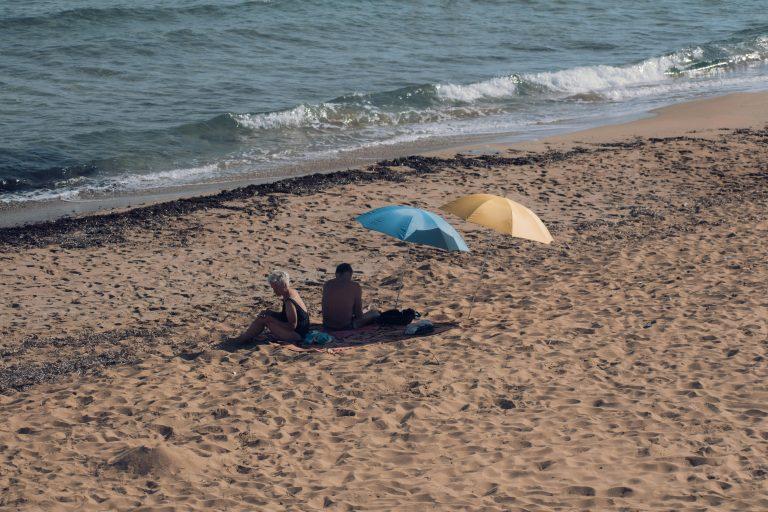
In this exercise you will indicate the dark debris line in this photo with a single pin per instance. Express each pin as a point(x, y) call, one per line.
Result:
point(86, 340)
point(99, 229)
point(20, 376)
point(424, 164)
point(92, 351)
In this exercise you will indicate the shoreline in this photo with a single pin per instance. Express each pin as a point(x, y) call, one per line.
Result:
point(658, 122)
point(702, 118)
point(100, 228)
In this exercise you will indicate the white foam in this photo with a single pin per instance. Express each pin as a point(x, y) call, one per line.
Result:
point(579, 80)
point(296, 117)
point(40, 195)
point(499, 87)
point(611, 82)
point(604, 78)
point(74, 191)
point(180, 176)
point(329, 116)
point(322, 116)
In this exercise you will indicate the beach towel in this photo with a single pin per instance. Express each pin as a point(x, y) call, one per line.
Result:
point(370, 335)
point(348, 333)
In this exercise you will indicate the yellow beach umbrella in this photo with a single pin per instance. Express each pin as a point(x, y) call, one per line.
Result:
point(500, 214)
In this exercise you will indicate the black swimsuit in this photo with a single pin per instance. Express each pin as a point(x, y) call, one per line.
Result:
point(302, 318)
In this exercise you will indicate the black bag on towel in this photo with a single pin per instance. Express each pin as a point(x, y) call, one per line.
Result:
point(397, 317)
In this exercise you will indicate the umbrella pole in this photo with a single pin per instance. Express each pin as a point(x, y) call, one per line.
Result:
point(402, 277)
point(482, 274)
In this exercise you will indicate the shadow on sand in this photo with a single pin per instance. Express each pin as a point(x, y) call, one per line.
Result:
point(374, 335)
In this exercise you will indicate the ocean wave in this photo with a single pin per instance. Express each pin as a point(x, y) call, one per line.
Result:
point(499, 87)
point(78, 187)
point(323, 116)
point(598, 79)
point(66, 17)
point(434, 102)
point(161, 156)
point(716, 57)
point(612, 81)
point(300, 116)
point(178, 176)
point(31, 169)
point(335, 117)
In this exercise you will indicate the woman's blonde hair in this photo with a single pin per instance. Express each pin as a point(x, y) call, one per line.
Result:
point(279, 276)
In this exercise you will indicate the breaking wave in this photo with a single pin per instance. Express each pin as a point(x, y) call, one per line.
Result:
point(435, 102)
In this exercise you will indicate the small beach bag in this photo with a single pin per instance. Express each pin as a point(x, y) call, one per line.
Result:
point(397, 317)
point(317, 338)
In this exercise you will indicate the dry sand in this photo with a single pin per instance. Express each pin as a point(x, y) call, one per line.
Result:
point(620, 368)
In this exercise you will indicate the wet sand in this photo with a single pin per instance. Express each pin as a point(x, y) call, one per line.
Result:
point(620, 368)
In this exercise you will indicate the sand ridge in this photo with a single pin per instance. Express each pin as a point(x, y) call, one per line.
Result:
point(620, 368)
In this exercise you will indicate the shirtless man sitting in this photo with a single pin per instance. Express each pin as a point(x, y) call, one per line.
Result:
point(343, 302)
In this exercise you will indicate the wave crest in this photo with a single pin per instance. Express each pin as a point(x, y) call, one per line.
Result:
point(428, 103)
point(499, 87)
point(612, 82)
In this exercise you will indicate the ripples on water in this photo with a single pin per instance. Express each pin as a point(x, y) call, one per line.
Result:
point(108, 96)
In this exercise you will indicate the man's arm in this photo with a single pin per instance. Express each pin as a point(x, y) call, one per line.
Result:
point(358, 307)
point(324, 303)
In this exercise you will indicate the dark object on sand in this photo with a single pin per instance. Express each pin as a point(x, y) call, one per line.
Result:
point(397, 317)
point(420, 328)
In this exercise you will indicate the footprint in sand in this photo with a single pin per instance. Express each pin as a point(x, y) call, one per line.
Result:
point(581, 490)
point(164, 431)
point(619, 492)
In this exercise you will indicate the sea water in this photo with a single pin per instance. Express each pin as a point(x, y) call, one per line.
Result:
point(108, 96)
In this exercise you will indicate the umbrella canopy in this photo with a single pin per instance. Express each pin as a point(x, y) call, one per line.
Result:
point(414, 225)
point(500, 214)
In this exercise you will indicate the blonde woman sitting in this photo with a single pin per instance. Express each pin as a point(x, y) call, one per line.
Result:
point(291, 324)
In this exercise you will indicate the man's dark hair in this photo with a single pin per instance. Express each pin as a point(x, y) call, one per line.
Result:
point(343, 268)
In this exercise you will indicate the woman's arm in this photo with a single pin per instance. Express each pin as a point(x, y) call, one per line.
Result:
point(290, 314)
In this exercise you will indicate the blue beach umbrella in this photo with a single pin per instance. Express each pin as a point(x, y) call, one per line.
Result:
point(414, 225)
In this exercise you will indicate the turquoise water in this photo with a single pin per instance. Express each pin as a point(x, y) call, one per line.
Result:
point(107, 96)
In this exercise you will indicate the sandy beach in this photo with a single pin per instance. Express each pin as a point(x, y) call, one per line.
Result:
point(622, 367)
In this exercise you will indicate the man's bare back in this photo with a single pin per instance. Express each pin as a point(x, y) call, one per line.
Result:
point(343, 302)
